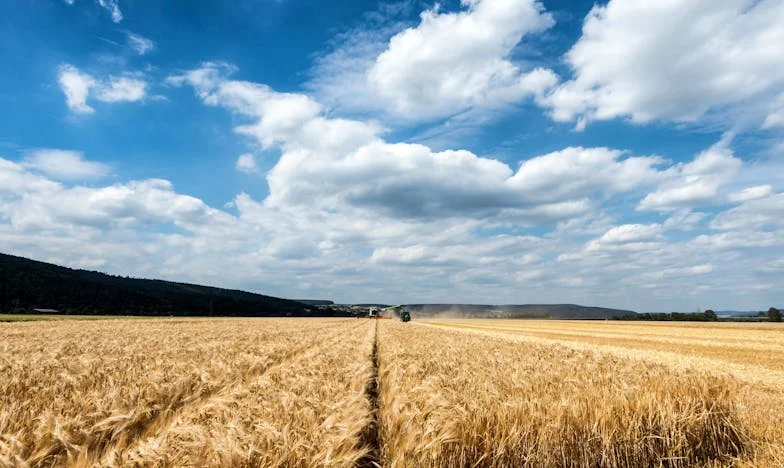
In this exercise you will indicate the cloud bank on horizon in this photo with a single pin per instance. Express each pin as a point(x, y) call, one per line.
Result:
point(485, 151)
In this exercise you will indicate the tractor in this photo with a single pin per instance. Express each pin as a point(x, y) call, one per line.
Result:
point(401, 311)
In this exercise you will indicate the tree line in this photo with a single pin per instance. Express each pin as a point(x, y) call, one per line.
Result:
point(773, 315)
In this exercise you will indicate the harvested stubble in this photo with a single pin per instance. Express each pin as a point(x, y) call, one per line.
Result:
point(744, 344)
point(453, 399)
point(79, 393)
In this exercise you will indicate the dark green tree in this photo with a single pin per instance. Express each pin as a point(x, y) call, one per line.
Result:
point(774, 314)
point(710, 315)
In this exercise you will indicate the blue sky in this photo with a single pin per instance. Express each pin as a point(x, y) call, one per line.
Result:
point(622, 153)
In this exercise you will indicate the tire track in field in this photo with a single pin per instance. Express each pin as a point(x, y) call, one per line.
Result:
point(162, 421)
point(370, 434)
point(753, 374)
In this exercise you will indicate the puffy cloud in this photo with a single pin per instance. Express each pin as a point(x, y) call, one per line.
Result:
point(631, 233)
point(15, 180)
point(578, 171)
point(684, 220)
point(405, 255)
point(449, 63)
point(751, 193)
point(695, 183)
point(756, 213)
point(673, 60)
point(40, 203)
point(453, 254)
point(338, 76)
point(132, 203)
point(680, 272)
point(121, 89)
point(64, 164)
point(647, 267)
point(737, 240)
point(140, 44)
point(628, 237)
point(77, 86)
point(246, 163)
point(353, 216)
point(146, 228)
point(333, 162)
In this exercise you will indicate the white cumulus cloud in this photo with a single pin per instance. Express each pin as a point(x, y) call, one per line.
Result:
point(628, 237)
point(349, 255)
point(78, 86)
point(755, 213)
point(684, 220)
point(64, 164)
point(449, 63)
point(453, 61)
point(672, 60)
point(121, 89)
point(41, 203)
point(696, 183)
point(751, 193)
point(351, 213)
point(337, 163)
point(247, 163)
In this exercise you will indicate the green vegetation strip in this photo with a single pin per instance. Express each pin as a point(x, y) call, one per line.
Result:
point(36, 317)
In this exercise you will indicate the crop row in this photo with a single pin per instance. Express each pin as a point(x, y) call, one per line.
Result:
point(337, 392)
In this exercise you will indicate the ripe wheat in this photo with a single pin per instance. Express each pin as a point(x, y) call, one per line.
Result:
point(450, 399)
point(301, 392)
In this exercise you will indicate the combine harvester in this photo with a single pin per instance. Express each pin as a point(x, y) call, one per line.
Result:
point(399, 310)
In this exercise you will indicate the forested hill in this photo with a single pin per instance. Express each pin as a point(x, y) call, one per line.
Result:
point(27, 284)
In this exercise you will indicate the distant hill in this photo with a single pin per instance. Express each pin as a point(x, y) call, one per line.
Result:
point(551, 311)
point(27, 284)
point(315, 302)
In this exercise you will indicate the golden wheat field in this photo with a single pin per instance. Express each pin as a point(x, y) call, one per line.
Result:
point(359, 392)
